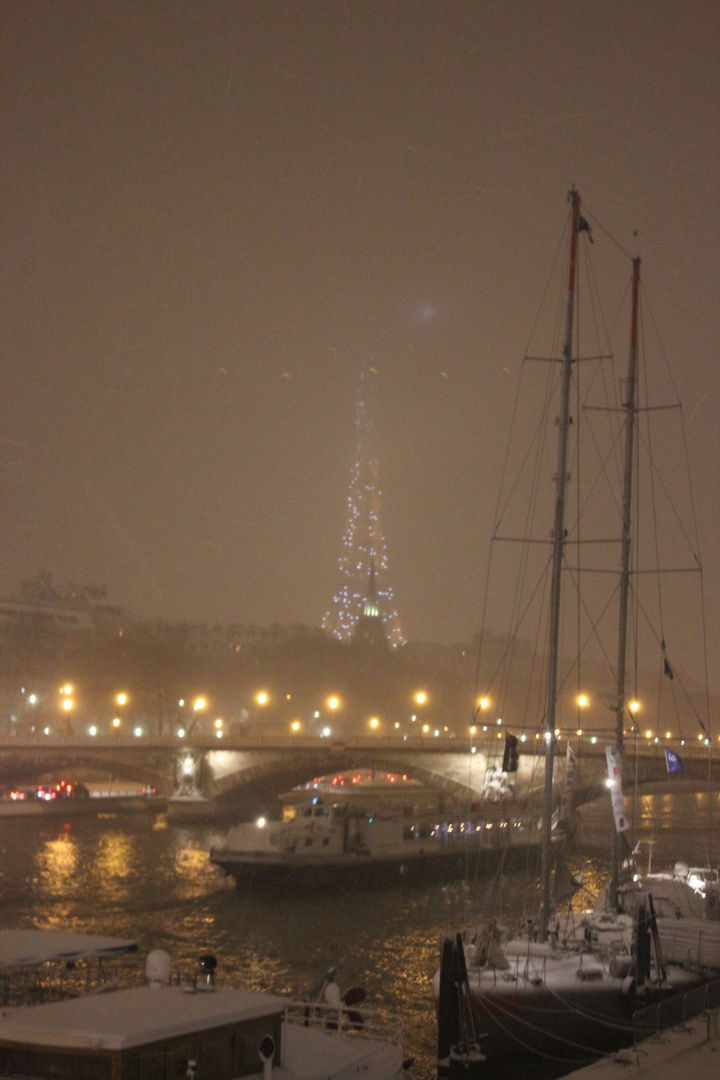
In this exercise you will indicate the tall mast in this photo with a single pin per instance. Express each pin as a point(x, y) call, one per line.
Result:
point(558, 537)
point(630, 420)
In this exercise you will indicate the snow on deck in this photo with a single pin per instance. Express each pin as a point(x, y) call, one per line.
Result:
point(125, 1018)
point(26, 948)
point(690, 1050)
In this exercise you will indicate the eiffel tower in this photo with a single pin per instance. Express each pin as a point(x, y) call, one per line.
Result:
point(363, 608)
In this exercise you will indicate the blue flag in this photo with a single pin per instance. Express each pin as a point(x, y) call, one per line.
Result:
point(673, 761)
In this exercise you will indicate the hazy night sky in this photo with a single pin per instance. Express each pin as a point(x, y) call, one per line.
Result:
point(215, 212)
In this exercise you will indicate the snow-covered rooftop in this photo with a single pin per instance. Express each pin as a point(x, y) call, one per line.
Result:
point(124, 1018)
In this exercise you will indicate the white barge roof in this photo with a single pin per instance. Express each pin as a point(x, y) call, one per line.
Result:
point(122, 1019)
point(27, 948)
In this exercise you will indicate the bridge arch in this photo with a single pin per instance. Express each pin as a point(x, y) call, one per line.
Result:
point(227, 772)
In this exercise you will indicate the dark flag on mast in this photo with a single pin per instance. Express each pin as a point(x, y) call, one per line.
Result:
point(510, 757)
point(584, 226)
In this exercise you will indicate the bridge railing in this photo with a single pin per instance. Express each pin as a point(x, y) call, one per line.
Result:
point(592, 747)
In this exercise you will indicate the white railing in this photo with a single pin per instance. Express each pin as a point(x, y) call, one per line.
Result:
point(349, 1021)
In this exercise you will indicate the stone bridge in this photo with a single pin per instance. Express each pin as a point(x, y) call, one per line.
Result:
point(276, 763)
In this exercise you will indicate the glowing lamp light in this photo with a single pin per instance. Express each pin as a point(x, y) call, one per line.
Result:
point(262, 698)
point(582, 701)
point(333, 703)
point(199, 704)
point(261, 823)
point(295, 725)
point(421, 697)
point(374, 722)
point(634, 706)
point(116, 721)
point(484, 703)
point(608, 782)
point(67, 704)
point(121, 699)
point(138, 732)
point(181, 733)
point(92, 731)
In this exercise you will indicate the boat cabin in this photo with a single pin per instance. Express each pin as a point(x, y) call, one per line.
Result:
point(145, 1033)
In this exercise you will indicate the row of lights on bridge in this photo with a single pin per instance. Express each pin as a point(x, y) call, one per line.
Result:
point(333, 704)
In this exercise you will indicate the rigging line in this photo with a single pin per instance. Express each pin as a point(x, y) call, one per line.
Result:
point(500, 511)
point(561, 247)
point(605, 459)
point(677, 516)
point(537, 440)
point(597, 224)
point(496, 1005)
point(593, 634)
point(676, 675)
point(603, 340)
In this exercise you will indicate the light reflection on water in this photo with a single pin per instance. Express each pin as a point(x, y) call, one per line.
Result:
point(135, 877)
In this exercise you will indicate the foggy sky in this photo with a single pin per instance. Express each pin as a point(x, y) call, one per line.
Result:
point(214, 213)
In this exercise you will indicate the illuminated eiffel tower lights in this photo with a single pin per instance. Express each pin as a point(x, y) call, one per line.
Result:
point(364, 557)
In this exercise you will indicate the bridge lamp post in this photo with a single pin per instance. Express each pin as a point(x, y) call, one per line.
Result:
point(333, 704)
point(121, 700)
point(634, 708)
point(420, 698)
point(219, 728)
point(198, 705)
point(262, 698)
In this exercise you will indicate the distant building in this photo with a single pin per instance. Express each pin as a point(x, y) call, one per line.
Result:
point(15, 612)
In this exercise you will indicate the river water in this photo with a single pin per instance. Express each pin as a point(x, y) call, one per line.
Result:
point(134, 875)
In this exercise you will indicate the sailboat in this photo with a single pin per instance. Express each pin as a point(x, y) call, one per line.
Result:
point(565, 991)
